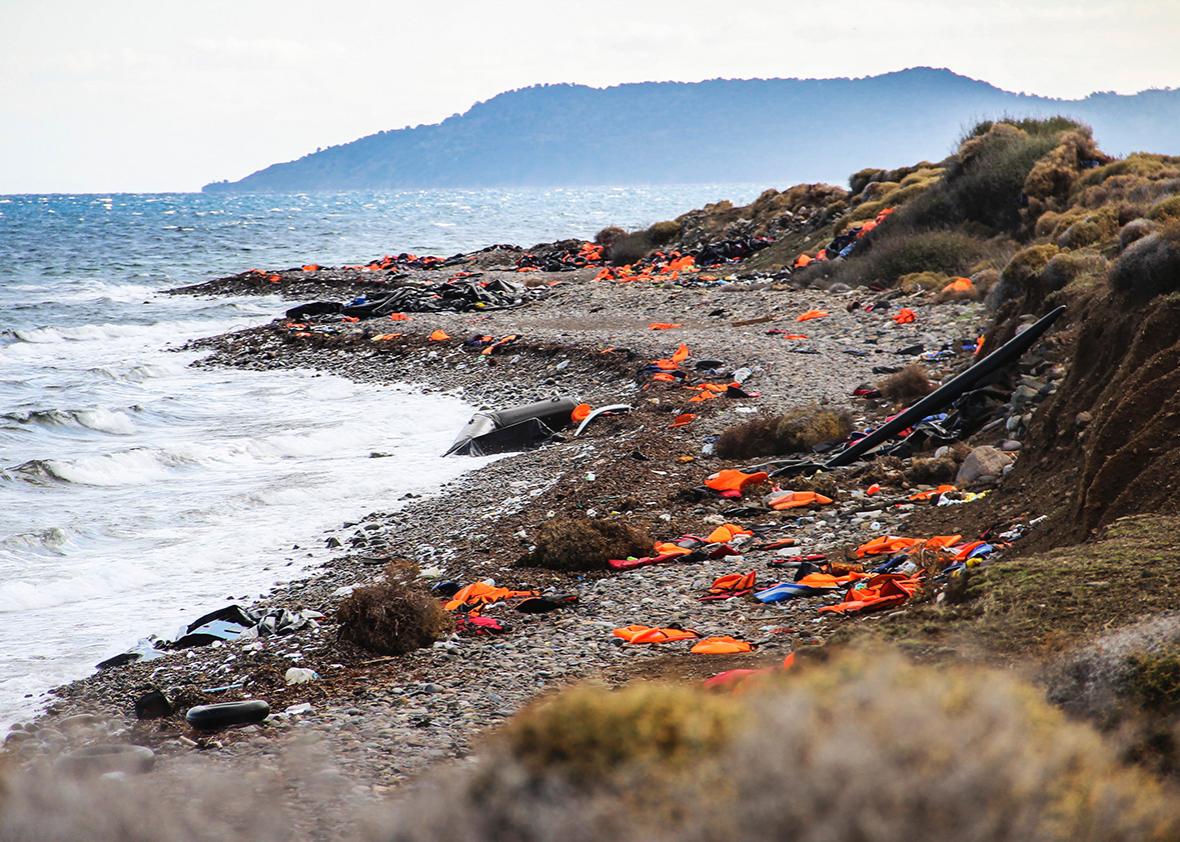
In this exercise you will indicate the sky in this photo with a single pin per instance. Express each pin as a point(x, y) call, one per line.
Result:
point(167, 95)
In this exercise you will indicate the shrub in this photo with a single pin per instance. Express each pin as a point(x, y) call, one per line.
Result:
point(630, 248)
point(799, 429)
point(1135, 230)
point(985, 181)
point(1021, 277)
point(1166, 210)
point(663, 233)
point(584, 544)
point(907, 385)
point(392, 616)
point(607, 236)
point(899, 253)
point(589, 733)
point(858, 181)
point(937, 753)
point(1151, 265)
point(1128, 682)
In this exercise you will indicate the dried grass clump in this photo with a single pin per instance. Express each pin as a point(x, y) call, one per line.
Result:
point(937, 753)
point(907, 385)
point(1151, 265)
point(629, 248)
point(932, 471)
point(392, 616)
point(917, 281)
point(799, 429)
point(607, 236)
point(583, 544)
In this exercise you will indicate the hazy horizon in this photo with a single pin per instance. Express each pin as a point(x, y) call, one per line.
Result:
point(164, 97)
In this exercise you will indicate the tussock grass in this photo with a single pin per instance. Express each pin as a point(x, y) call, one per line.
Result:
point(393, 616)
point(585, 544)
point(798, 430)
point(907, 385)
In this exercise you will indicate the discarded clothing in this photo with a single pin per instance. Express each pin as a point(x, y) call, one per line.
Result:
point(737, 680)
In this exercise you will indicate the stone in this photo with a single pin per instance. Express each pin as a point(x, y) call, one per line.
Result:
point(981, 462)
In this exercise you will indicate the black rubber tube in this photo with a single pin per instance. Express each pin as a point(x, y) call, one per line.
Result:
point(209, 717)
point(100, 759)
point(946, 394)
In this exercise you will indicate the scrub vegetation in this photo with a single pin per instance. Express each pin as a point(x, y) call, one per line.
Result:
point(981, 757)
point(392, 616)
point(795, 431)
point(585, 544)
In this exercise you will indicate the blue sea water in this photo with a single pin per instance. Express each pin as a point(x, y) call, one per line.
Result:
point(136, 492)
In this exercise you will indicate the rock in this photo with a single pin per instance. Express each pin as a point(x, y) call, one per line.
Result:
point(980, 462)
point(1011, 445)
point(1082, 419)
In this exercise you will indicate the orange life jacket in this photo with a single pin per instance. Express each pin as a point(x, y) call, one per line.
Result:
point(731, 479)
point(725, 533)
point(797, 500)
point(812, 314)
point(926, 495)
point(905, 316)
point(439, 336)
point(648, 634)
point(722, 645)
point(885, 544)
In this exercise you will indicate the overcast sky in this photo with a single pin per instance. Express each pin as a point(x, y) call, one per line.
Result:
point(156, 95)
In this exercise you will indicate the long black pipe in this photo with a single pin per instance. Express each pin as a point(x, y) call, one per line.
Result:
point(943, 396)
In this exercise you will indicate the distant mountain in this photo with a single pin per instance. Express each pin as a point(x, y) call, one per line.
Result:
point(760, 130)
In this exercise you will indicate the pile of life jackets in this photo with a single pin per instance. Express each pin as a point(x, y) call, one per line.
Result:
point(846, 243)
point(566, 257)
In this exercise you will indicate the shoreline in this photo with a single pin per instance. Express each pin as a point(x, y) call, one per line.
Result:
point(431, 705)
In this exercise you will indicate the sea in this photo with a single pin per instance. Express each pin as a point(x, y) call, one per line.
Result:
point(138, 492)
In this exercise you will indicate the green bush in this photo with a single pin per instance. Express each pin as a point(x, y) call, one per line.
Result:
point(985, 182)
point(898, 253)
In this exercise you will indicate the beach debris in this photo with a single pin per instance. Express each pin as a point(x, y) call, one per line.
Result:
point(153, 705)
point(721, 645)
point(639, 634)
point(102, 759)
point(516, 428)
point(225, 714)
point(300, 675)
